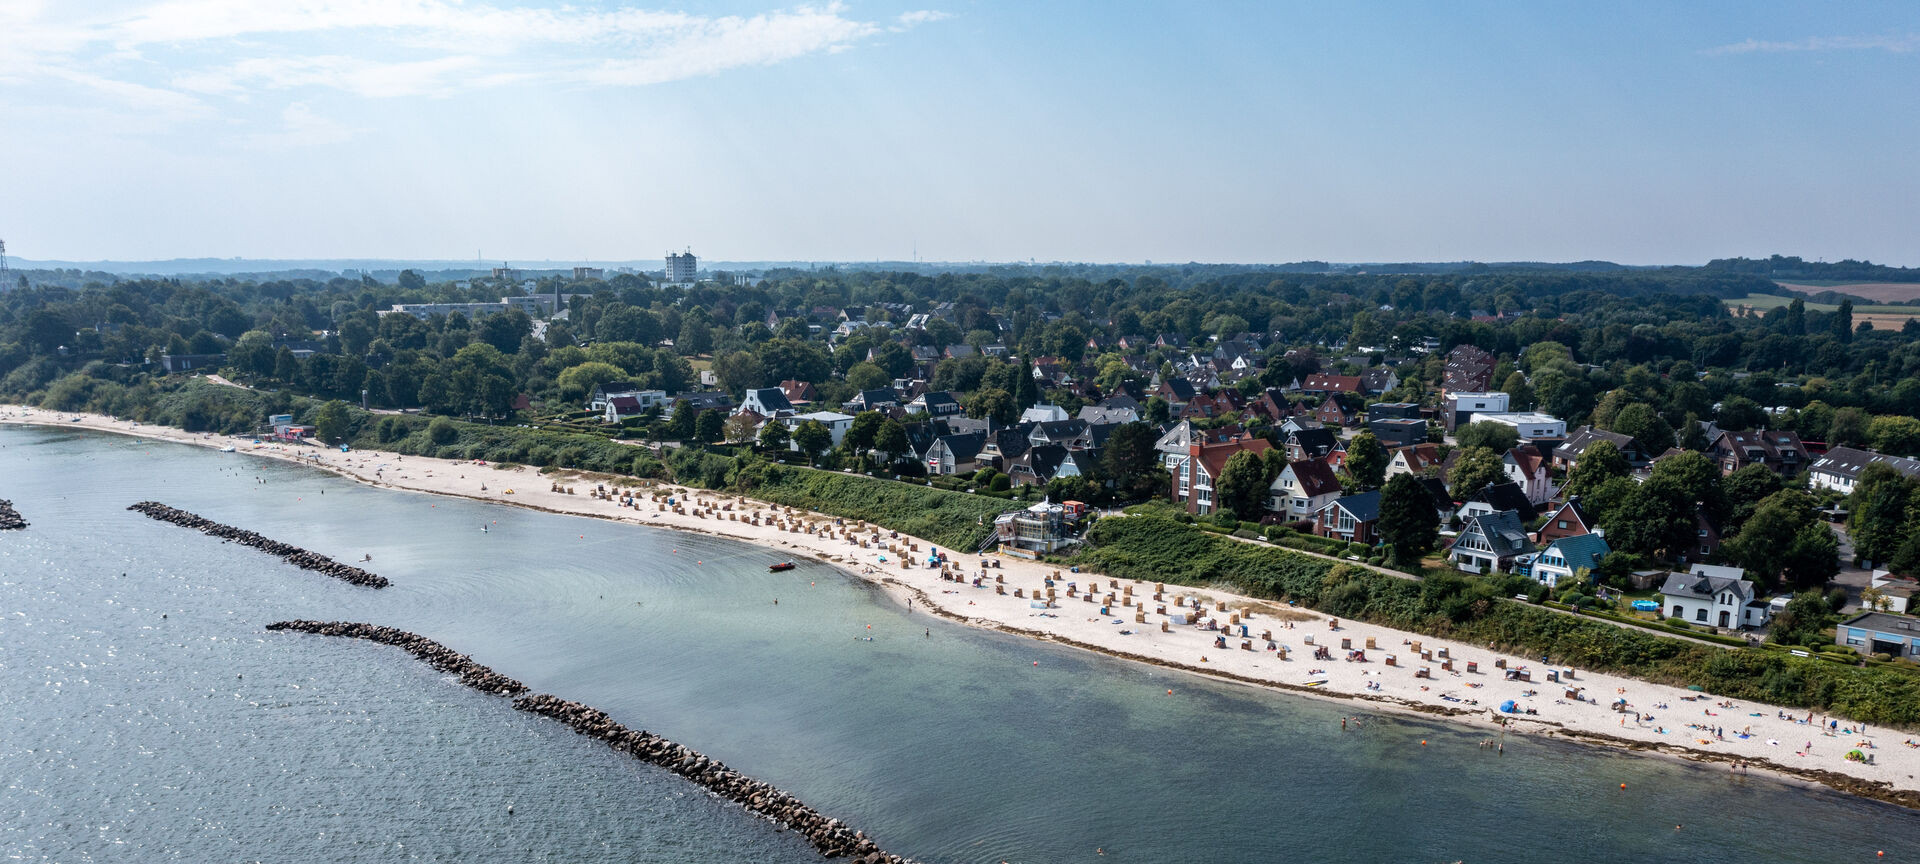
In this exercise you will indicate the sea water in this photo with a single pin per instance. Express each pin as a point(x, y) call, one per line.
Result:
point(148, 716)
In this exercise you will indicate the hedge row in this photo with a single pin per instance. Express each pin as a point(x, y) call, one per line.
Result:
point(954, 520)
point(1477, 610)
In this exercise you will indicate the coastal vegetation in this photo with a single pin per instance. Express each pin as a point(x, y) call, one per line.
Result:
point(1477, 610)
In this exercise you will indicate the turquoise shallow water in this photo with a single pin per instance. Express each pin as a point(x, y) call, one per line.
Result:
point(198, 736)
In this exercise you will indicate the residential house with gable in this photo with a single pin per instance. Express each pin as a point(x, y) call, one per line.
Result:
point(1195, 475)
point(1565, 520)
point(765, 401)
point(1311, 444)
point(1567, 558)
point(1567, 453)
point(1413, 460)
point(1302, 489)
point(1781, 452)
point(1350, 518)
point(1839, 468)
point(1527, 467)
point(1715, 596)
point(1490, 541)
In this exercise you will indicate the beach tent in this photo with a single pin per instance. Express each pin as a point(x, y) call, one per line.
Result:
point(1510, 707)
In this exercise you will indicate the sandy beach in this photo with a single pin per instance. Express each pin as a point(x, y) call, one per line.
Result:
point(1658, 719)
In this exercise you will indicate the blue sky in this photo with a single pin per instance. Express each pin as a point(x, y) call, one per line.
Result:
point(1093, 131)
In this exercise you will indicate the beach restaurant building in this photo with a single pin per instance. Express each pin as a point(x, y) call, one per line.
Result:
point(1880, 633)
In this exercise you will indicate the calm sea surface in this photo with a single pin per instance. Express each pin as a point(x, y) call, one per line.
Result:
point(146, 715)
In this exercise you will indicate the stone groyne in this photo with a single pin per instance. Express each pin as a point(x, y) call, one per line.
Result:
point(830, 837)
point(432, 653)
point(9, 517)
point(294, 555)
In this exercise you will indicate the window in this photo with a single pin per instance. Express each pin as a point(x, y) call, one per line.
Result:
point(1700, 615)
point(1563, 524)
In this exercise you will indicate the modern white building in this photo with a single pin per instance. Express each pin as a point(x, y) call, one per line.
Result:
point(836, 423)
point(682, 267)
point(1461, 406)
point(1532, 425)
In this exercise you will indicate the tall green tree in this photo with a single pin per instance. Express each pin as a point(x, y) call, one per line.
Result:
point(1129, 454)
point(1367, 461)
point(1652, 519)
point(862, 432)
point(1601, 462)
point(1498, 437)
point(993, 404)
point(684, 423)
point(813, 438)
point(710, 426)
point(774, 435)
point(1696, 480)
point(1241, 488)
point(1743, 490)
point(331, 422)
point(1877, 512)
point(1849, 427)
point(1895, 435)
point(1803, 622)
point(1473, 469)
point(1785, 539)
point(1646, 427)
point(1409, 523)
point(1843, 321)
point(892, 440)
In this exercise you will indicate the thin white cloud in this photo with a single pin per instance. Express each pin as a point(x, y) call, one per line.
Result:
point(301, 126)
point(909, 20)
point(1893, 44)
point(185, 51)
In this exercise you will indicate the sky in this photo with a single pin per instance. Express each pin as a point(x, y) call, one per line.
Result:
point(960, 130)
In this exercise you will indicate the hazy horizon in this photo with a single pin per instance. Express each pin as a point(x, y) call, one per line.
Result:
point(958, 131)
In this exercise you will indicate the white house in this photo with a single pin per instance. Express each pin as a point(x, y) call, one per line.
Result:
point(1840, 468)
point(1043, 414)
point(620, 406)
point(1714, 596)
point(1303, 488)
point(765, 401)
point(836, 423)
point(1461, 406)
point(1525, 466)
point(1532, 425)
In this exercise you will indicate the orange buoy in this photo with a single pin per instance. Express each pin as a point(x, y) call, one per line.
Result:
point(1423, 742)
point(1169, 692)
point(1623, 785)
point(1036, 662)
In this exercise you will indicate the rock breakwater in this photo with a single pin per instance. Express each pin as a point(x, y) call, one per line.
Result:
point(9, 517)
point(831, 837)
point(434, 654)
point(294, 555)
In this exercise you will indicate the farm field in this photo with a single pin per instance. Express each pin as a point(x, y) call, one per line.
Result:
point(1879, 292)
point(1884, 317)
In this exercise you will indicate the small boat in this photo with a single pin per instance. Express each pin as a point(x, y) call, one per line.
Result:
point(227, 449)
point(781, 567)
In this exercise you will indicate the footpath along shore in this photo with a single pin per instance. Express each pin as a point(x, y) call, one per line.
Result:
point(1659, 719)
